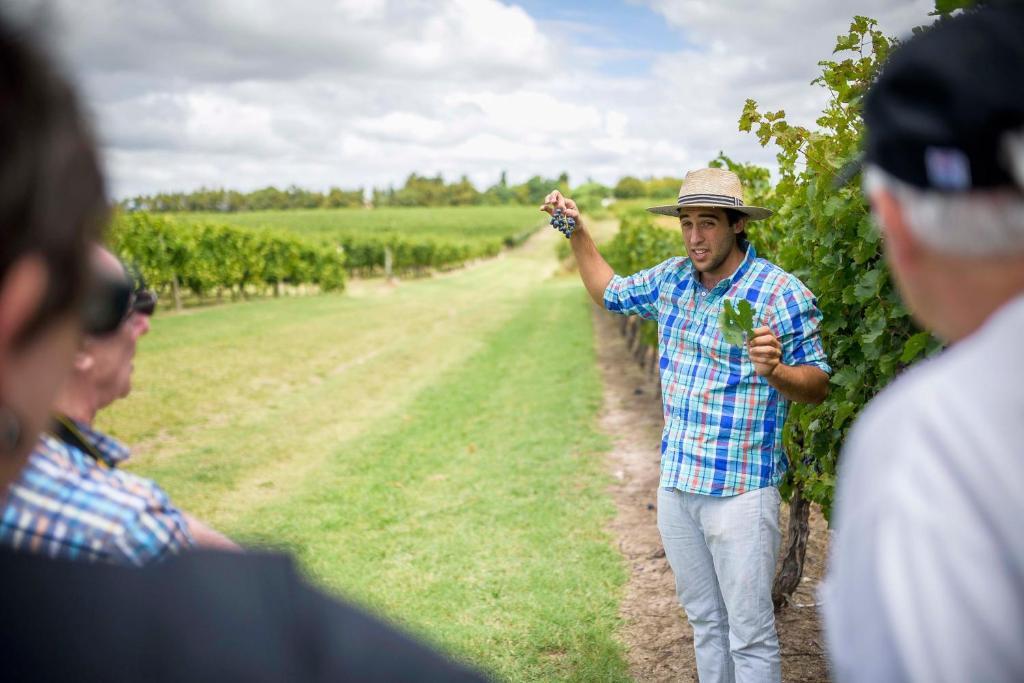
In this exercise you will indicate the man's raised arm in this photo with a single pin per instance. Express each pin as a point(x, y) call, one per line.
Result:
point(594, 270)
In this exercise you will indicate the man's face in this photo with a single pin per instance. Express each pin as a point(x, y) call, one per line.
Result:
point(111, 355)
point(708, 237)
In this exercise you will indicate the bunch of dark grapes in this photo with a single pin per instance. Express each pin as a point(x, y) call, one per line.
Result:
point(562, 223)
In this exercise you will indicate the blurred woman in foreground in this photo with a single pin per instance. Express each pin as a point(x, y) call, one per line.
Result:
point(207, 616)
point(52, 205)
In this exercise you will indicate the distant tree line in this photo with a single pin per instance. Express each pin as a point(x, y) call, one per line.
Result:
point(418, 190)
point(209, 199)
point(434, 191)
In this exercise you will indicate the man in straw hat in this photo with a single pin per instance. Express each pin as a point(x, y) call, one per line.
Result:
point(722, 456)
point(926, 577)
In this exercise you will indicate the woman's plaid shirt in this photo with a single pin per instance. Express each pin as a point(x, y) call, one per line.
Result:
point(723, 423)
point(65, 504)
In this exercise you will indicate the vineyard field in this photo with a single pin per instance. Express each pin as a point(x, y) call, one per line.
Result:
point(246, 252)
point(507, 224)
point(429, 450)
point(414, 239)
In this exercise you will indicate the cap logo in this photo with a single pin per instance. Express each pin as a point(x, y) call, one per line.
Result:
point(947, 168)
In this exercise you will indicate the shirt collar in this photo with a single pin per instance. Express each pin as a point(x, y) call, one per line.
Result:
point(110, 449)
point(726, 282)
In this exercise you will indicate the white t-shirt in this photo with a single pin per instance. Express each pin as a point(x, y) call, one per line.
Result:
point(926, 579)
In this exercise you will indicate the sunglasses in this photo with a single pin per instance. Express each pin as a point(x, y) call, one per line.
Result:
point(111, 300)
point(144, 301)
point(143, 298)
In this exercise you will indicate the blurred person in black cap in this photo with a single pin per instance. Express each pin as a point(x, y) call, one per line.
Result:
point(200, 616)
point(926, 578)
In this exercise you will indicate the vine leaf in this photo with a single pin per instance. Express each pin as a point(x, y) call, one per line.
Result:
point(736, 323)
point(914, 346)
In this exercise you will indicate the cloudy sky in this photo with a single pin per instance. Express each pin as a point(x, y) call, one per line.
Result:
point(359, 93)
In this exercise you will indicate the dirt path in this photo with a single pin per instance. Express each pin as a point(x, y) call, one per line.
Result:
point(659, 641)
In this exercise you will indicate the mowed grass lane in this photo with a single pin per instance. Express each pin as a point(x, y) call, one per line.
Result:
point(429, 450)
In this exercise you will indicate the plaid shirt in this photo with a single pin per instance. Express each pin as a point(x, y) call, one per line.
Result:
point(65, 504)
point(723, 423)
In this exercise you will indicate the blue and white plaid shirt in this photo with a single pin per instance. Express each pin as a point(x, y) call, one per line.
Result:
point(723, 423)
point(66, 504)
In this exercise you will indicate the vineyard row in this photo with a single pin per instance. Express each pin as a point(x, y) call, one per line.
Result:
point(200, 258)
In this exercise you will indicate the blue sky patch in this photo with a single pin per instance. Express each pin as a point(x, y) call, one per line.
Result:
point(623, 37)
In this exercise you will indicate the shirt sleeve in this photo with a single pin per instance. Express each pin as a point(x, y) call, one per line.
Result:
point(636, 294)
point(157, 529)
point(796, 321)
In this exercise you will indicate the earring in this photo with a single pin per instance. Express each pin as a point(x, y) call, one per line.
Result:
point(10, 429)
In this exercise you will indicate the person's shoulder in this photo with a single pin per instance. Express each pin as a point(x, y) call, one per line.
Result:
point(123, 609)
point(134, 484)
point(930, 481)
point(999, 334)
point(953, 417)
point(671, 269)
point(104, 504)
point(260, 621)
point(51, 464)
point(658, 270)
point(673, 264)
point(54, 458)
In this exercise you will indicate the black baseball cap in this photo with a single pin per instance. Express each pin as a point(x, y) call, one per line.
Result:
point(948, 102)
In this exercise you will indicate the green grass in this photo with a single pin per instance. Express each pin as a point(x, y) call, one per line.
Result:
point(477, 517)
point(469, 222)
point(430, 451)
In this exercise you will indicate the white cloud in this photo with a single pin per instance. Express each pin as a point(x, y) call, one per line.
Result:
point(766, 50)
point(531, 114)
point(246, 93)
point(236, 40)
point(402, 126)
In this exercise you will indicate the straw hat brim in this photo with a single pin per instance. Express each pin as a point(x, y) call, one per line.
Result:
point(754, 213)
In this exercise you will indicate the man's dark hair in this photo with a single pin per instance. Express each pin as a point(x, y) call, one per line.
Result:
point(52, 197)
point(734, 216)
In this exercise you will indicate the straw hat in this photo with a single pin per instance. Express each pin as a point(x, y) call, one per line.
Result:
point(714, 188)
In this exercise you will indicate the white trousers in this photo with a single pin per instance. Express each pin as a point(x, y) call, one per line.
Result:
point(722, 551)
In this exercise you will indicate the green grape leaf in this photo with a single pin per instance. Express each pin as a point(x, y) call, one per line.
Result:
point(868, 284)
point(914, 346)
point(736, 322)
point(746, 316)
point(730, 327)
point(845, 410)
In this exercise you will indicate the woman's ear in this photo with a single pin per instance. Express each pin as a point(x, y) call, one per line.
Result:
point(21, 293)
point(84, 360)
